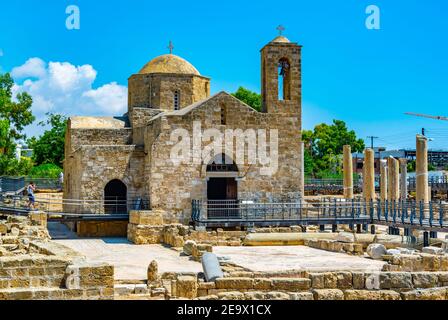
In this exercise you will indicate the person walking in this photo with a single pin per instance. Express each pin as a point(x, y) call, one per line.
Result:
point(30, 190)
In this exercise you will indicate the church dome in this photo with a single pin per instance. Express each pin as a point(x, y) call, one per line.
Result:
point(169, 63)
point(281, 39)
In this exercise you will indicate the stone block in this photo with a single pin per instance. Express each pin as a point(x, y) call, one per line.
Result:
point(141, 289)
point(276, 295)
point(422, 280)
point(317, 280)
point(124, 289)
point(3, 228)
point(358, 280)
point(153, 272)
point(426, 294)
point(262, 284)
point(186, 287)
point(371, 295)
point(344, 280)
point(345, 237)
point(376, 251)
point(232, 295)
point(291, 284)
point(301, 296)
point(395, 280)
point(150, 218)
point(328, 294)
point(235, 283)
point(432, 250)
point(188, 247)
point(255, 295)
point(330, 280)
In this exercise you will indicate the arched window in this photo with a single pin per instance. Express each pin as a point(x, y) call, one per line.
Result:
point(176, 100)
point(223, 115)
point(115, 197)
point(284, 76)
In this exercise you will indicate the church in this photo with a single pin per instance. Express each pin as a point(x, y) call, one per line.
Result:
point(130, 157)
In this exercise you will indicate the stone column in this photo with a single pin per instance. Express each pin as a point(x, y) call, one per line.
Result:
point(302, 170)
point(383, 181)
point(369, 175)
point(348, 172)
point(393, 190)
point(421, 170)
point(403, 179)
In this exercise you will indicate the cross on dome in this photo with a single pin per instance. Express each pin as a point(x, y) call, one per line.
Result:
point(280, 29)
point(171, 47)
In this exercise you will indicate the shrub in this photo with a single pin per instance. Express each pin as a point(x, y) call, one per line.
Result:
point(45, 171)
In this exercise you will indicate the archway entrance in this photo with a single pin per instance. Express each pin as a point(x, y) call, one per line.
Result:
point(115, 197)
point(222, 188)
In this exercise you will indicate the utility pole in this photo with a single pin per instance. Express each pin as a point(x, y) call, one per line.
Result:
point(371, 140)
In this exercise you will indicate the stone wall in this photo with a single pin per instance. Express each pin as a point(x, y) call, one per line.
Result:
point(32, 267)
point(317, 286)
point(102, 228)
point(190, 180)
point(92, 167)
point(157, 90)
point(158, 226)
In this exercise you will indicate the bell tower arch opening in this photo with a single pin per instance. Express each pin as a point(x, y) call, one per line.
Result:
point(281, 79)
point(115, 197)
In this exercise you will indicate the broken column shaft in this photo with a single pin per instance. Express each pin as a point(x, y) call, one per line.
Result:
point(348, 172)
point(421, 169)
point(393, 189)
point(369, 175)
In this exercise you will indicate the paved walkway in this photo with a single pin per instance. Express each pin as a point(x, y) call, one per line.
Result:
point(295, 257)
point(131, 261)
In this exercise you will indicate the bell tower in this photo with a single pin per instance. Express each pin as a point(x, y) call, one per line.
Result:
point(281, 76)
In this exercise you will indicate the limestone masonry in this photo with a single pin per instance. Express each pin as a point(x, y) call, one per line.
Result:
point(128, 157)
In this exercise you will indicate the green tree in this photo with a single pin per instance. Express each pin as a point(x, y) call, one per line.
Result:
point(15, 115)
point(49, 148)
point(250, 98)
point(325, 146)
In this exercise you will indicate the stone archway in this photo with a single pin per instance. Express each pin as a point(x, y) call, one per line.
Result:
point(115, 197)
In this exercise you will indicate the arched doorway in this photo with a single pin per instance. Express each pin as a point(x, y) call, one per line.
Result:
point(222, 188)
point(115, 197)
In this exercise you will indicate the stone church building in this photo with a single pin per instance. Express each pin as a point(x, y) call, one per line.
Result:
point(128, 157)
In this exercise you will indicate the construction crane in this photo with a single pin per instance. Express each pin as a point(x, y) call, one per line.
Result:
point(427, 116)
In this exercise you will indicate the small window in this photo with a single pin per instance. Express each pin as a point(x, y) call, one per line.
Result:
point(359, 165)
point(284, 79)
point(176, 100)
point(223, 115)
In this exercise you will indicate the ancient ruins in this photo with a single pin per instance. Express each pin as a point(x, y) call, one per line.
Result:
point(131, 223)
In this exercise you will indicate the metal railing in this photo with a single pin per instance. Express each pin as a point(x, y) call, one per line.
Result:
point(111, 205)
point(439, 183)
point(406, 213)
point(234, 210)
point(18, 184)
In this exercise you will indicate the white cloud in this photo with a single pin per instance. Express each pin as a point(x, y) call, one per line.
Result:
point(62, 87)
point(111, 95)
point(33, 68)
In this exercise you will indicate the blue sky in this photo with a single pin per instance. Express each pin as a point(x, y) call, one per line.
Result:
point(367, 78)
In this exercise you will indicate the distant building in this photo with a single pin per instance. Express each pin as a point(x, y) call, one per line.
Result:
point(438, 158)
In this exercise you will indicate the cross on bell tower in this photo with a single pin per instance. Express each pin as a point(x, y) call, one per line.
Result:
point(171, 47)
point(280, 29)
